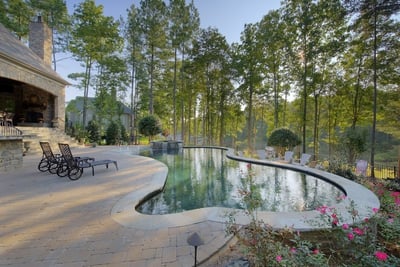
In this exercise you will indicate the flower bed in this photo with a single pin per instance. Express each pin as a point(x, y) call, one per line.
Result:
point(373, 242)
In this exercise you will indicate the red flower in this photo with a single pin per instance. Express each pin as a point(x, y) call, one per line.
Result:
point(381, 256)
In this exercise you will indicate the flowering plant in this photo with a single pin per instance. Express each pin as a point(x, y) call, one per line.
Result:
point(343, 244)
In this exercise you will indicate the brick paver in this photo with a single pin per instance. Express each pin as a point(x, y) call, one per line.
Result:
point(50, 221)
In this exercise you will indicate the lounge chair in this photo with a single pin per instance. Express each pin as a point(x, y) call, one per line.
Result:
point(269, 152)
point(288, 156)
point(74, 166)
point(361, 167)
point(50, 161)
point(304, 159)
point(54, 163)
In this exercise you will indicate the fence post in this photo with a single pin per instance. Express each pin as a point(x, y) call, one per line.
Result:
point(398, 169)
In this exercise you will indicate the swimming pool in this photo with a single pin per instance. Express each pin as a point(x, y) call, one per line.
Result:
point(205, 177)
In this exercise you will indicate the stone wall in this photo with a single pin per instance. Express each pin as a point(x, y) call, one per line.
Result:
point(11, 151)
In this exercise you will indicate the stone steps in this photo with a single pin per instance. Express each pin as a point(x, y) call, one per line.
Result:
point(34, 135)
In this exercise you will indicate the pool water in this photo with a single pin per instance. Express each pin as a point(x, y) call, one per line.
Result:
point(205, 177)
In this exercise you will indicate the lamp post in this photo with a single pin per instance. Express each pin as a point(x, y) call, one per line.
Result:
point(195, 241)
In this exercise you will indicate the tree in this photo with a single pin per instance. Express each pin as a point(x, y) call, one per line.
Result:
point(371, 16)
point(16, 15)
point(247, 66)
point(354, 142)
point(111, 85)
point(153, 27)
point(150, 126)
point(93, 130)
point(284, 139)
point(113, 134)
point(184, 21)
point(210, 56)
point(271, 32)
point(55, 14)
point(93, 36)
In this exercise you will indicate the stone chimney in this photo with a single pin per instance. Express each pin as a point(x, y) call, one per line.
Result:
point(40, 40)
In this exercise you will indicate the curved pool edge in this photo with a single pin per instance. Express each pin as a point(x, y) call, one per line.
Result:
point(125, 214)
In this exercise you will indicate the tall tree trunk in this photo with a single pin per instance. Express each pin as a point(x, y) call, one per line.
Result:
point(174, 92)
point(151, 105)
point(250, 120)
point(375, 95)
point(86, 90)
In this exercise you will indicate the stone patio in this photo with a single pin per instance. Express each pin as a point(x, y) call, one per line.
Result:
point(46, 220)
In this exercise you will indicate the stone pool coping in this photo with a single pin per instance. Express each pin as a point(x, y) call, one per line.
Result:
point(125, 214)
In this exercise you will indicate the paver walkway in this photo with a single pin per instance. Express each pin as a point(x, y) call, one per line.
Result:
point(50, 221)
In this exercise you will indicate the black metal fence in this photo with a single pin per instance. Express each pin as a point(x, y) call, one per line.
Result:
point(384, 171)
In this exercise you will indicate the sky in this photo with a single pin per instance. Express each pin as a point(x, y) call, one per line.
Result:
point(228, 16)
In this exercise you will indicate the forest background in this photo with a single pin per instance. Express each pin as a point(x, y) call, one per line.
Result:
point(328, 70)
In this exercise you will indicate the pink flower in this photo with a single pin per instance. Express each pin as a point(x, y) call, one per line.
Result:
point(293, 250)
point(345, 226)
point(335, 220)
point(375, 210)
point(381, 256)
point(390, 220)
point(397, 201)
point(358, 231)
point(322, 209)
point(395, 194)
point(350, 236)
point(342, 197)
point(315, 251)
point(279, 258)
point(366, 220)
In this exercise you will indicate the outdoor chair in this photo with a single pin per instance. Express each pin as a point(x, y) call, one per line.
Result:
point(269, 152)
point(50, 161)
point(74, 166)
point(54, 163)
point(361, 167)
point(304, 159)
point(288, 156)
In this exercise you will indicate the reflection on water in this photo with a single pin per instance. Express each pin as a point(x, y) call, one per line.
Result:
point(204, 177)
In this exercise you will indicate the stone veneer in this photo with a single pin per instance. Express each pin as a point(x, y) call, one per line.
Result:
point(11, 153)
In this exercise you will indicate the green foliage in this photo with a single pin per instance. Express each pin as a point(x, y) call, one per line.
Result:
point(93, 38)
point(150, 126)
point(338, 165)
point(16, 16)
point(284, 139)
point(113, 134)
point(371, 242)
point(93, 130)
point(354, 142)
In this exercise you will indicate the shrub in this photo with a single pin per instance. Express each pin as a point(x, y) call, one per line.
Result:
point(284, 139)
point(150, 126)
point(93, 130)
point(113, 134)
point(372, 242)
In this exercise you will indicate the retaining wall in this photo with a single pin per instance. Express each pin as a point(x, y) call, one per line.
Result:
point(11, 153)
